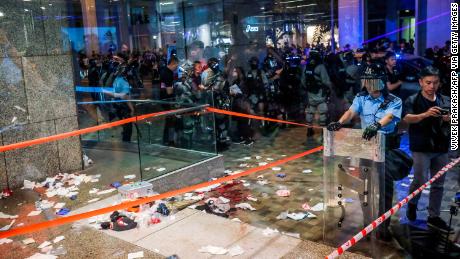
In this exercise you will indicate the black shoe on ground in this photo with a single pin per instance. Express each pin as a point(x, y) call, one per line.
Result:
point(411, 212)
point(439, 224)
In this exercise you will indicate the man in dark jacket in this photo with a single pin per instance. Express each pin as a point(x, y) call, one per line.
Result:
point(428, 115)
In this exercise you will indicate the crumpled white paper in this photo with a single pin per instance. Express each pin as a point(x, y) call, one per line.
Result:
point(244, 206)
point(215, 250)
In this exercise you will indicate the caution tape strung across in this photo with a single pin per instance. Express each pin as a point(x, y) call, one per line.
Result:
point(79, 132)
point(389, 213)
point(126, 205)
point(249, 116)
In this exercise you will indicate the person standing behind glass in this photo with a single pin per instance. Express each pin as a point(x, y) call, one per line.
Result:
point(122, 93)
point(167, 94)
point(393, 81)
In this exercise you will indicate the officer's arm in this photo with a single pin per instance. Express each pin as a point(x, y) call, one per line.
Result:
point(386, 119)
point(347, 116)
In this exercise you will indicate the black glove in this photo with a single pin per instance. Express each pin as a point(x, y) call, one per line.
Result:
point(371, 131)
point(334, 126)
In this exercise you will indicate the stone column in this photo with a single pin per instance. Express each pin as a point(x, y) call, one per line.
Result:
point(90, 24)
point(37, 97)
point(352, 22)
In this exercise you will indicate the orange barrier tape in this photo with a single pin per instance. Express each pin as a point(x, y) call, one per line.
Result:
point(249, 116)
point(89, 214)
point(38, 141)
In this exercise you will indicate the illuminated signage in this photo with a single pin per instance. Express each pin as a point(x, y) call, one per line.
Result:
point(250, 28)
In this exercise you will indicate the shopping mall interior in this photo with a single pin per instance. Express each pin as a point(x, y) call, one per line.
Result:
point(214, 129)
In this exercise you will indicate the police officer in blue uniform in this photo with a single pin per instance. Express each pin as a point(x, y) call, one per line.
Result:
point(379, 111)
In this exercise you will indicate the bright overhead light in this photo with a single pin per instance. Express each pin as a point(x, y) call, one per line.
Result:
point(26, 10)
point(298, 6)
point(2, 14)
point(42, 7)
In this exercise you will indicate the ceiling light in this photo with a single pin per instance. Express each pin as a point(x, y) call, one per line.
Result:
point(2, 14)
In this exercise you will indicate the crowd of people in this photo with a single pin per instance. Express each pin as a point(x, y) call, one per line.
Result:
point(312, 84)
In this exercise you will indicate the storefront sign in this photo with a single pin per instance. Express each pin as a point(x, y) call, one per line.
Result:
point(250, 28)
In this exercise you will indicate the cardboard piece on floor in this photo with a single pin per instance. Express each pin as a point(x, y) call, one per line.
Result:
point(34, 213)
point(58, 239)
point(28, 241)
point(139, 254)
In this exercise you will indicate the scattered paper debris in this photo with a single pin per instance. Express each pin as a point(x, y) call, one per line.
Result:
point(243, 165)
point(93, 200)
point(282, 215)
point(6, 216)
point(228, 172)
point(235, 251)
point(258, 157)
point(270, 232)
point(161, 169)
point(224, 200)
point(58, 239)
point(93, 191)
point(236, 220)
point(5, 241)
point(139, 254)
point(59, 205)
point(106, 191)
point(28, 241)
point(42, 256)
point(318, 207)
point(296, 216)
point(29, 185)
point(147, 169)
point(307, 171)
point(20, 108)
point(296, 235)
point(215, 250)
point(47, 249)
point(311, 189)
point(270, 159)
point(207, 189)
point(244, 206)
point(262, 182)
point(34, 213)
point(250, 198)
point(283, 193)
point(44, 244)
point(130, 177)
point(5, 228)
point(276, 168)
point(246, 184)
point(263, 163)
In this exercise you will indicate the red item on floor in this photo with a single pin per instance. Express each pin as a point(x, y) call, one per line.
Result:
point(154, 220)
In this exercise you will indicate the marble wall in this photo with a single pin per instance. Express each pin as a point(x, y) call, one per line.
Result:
point(37, 97)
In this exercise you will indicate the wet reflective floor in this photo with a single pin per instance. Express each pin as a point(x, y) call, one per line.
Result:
point(302, 177)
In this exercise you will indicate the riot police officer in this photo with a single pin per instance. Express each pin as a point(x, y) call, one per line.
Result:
point(318, 86)
point(379, 111)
